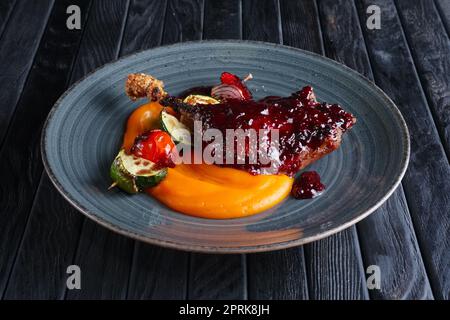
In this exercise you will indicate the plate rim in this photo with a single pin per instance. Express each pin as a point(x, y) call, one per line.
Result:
point(229, 249)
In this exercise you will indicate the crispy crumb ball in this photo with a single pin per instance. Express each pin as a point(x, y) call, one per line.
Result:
point(140, 85)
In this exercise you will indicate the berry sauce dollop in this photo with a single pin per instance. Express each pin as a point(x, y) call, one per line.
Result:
point(307, 186)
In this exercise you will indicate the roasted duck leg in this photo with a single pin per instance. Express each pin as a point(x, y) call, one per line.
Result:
point(307, 129)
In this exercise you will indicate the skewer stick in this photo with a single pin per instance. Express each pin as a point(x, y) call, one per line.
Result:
point(112, 185)
point(248, 77)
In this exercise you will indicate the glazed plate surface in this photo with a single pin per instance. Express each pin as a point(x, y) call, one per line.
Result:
point(84, 130)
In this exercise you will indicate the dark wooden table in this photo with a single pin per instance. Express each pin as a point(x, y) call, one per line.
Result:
point(41, 234)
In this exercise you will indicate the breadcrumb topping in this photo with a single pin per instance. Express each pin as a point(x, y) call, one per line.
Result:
point(140, 85)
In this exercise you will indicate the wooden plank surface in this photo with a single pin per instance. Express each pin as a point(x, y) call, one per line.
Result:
point(300, 25)
point(184, 21)
point(213, 276)
point(387, 236)
point(443, 7)
point(426, 181)
point(431, 56)
point(388, 240)
point(278, 275)
point(6, 7)
point(330, 275)
point(21, 169)
point(412, 67)
point(222, 19)
point(104, 258)
point(19, 43)
point(144, 28)
point(335, 269)
point(47, 248)
point(260, 20)
point(102, 36)
point(158, 273)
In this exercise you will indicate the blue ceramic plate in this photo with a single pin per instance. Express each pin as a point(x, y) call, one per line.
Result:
point(84, 130)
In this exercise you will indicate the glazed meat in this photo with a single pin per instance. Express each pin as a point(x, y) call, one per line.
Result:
point(307, 129)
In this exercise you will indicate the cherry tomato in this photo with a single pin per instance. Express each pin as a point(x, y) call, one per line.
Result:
point(156, 146)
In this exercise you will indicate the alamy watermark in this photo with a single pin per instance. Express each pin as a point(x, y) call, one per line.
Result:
point(374, 279)
point(234, 146)
point(73, 22)
point(74, 279)
point(374, 19)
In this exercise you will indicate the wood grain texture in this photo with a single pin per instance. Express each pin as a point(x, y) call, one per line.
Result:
point(104, 258)
point(342, 36)
point(334, 268)
point(443, 7)
point(330, 275)
point(278, 275)
point(6, 7)
point(158, 273)
point(222, 19)
point(431, 55)
point(21, 164)
point(144, 27)
point(260, 20)
point(19, 43)
point(47, 248)
point(184, 20)
point(387, 236)
point(102, 36)
point(299, 31)
point(213, 276)
point(388, 240)
point(426, 181)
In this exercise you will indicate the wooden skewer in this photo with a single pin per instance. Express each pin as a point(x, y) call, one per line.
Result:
point(112, 185)
point(248, 77)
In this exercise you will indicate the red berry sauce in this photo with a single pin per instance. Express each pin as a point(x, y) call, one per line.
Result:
point(307, 186)
point(304, 124)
